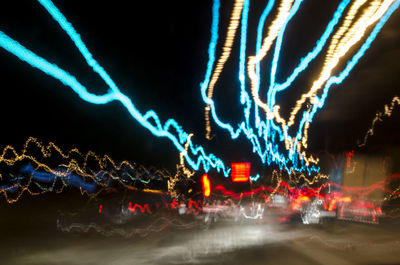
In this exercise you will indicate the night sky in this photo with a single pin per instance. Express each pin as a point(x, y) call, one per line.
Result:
point(156, 52)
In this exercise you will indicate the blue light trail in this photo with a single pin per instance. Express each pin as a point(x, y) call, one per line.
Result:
point(267, 134)
point(199, 159)
point(267, 131)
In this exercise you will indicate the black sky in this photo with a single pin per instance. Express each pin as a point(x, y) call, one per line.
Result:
point(156, 52)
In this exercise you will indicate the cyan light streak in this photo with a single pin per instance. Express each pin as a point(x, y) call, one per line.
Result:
point(199, 160)
point(211, 51)
point(265, 129)
point(304, 62)
point(279, 42)
point(260, 30)
point(274, 66)
point(263, 133)
point(243, 41)
point(338, 79)
point(270, 153)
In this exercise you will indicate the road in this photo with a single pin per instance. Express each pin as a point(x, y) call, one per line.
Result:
point(37, 241)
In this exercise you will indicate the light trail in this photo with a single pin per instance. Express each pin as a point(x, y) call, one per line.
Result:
point(181, 170)
point(149, 120)
point(274, 129)
point(206, 185)
point(339, 47)
point(274, 139)
point(319, 101)
point(388, 109)
point(226, 52)
point(29, 171)
point(284, 14)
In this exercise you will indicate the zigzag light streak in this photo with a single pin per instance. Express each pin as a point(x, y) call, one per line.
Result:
point(304, 62)
point(270, 153)
point(89, 172)
point(232, 29)
point(345, 38)
point(378, 117)
point(285, 12)
point(342, 41)
point(319, 101)
point(335, 52)
point(354, 34)
point(272, 130)
point(158, 129)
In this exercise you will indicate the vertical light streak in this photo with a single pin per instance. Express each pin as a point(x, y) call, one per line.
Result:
point(273, 31)
point(206, 186)
point(181, 170)
point(339, 49)
point(273, 129)
point(355, 33)
point(260, 30)
point(226, 52)
point(319, 101)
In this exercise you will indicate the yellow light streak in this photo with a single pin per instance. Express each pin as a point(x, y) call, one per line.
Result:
point(348, 35)
point(273, 31)
point(226, 52)
point(337, 50)
point(181, 170)
point(359, 18)
point(76, 163)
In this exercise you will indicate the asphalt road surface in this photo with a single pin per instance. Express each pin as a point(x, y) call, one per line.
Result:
point(29, 236)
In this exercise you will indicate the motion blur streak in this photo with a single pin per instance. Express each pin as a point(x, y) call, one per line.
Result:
point(181, 170)
point(388, 109)
point(273, 130)
point(141, 208)
point(230, 37)
point(273, 31)
point(206, 186)
point(342, 41)
point(149, 120)
point(29, 171)
point(274, 139)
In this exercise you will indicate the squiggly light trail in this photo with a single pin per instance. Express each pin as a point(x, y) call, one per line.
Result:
point(360, 18)
point(378, 117)
point(181, 170)
point(90, 173)
point(352, 35)
point(233, 26)
point(282, 17)
point(268, 134)
point(149, 120)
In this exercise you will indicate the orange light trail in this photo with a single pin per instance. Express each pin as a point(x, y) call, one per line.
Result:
point(273, 31)
point(226, 52)
point(345, 38)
